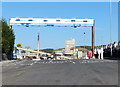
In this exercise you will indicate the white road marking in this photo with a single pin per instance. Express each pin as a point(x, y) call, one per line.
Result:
point(62, 62)
point(57, 62)
point(21, 64)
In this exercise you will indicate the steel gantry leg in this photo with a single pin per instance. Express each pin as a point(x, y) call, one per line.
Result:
point(93, 41)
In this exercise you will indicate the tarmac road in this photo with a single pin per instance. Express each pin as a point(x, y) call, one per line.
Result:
point(61, 72)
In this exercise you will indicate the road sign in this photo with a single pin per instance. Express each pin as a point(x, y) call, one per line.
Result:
point(63, 51)
point(52, 22)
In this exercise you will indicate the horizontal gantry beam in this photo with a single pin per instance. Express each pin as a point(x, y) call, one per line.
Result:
point(57, 22)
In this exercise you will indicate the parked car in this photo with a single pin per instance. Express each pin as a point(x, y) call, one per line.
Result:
point(43, 56)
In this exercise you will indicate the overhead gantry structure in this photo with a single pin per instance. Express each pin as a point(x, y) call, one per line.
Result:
point(55, 22)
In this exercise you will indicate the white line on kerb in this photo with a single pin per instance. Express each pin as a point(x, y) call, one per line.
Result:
point(31, 64)
point(73, 62)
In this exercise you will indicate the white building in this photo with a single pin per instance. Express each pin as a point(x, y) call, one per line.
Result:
point(70, 46)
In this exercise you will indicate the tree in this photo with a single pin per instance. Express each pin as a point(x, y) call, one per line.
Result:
point(8, 39)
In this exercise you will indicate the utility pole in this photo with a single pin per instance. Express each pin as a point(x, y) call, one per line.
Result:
point(111, 26)
point(38, 42)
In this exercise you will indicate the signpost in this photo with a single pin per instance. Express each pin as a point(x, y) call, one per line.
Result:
point(63, 51)
point(54, 22)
